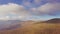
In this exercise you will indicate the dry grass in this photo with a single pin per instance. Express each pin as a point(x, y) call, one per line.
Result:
point(42, 28)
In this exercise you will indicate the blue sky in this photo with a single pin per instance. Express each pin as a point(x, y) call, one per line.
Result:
point(30, 9)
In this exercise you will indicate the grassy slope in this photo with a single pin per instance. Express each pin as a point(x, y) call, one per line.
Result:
point(42, 28)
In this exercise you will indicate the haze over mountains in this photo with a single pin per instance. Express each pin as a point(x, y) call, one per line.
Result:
point(9, 24)
point(13, 24)
point(30, 27)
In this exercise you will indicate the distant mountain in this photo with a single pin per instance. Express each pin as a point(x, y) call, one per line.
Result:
point(13, 24)
point(55, 20)
point(9, 24)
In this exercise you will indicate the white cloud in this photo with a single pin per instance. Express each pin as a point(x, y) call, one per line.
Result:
point(12, 9)
point(49, 8)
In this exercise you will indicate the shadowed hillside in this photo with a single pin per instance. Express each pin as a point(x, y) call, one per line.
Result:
point(49, 27)
point(55, 20)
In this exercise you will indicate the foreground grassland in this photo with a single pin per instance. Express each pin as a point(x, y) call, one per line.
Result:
point(41, 28)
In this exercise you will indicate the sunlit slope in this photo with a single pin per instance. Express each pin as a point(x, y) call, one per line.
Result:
point(30, 27)
point(42, 28)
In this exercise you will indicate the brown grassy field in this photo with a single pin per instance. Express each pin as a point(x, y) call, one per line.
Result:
point(41, 28)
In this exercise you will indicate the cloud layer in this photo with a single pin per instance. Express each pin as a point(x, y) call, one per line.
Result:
point(50, 8)
point(9, 10)
point(28, 9)
point(46, 7)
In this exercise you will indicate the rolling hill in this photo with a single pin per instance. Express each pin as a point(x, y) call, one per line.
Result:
point(51, 26)
point(55, 20)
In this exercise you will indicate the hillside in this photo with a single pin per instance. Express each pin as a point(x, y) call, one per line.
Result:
point(42, 28)
point(39, 28)
point(55, 20)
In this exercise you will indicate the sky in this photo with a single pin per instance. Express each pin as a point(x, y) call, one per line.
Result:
point(29, 9)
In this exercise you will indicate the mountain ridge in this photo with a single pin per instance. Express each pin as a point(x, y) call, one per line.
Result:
point(54, 20)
